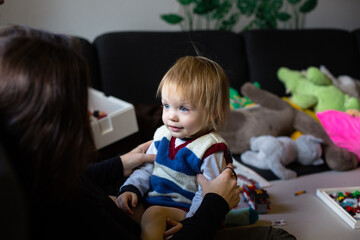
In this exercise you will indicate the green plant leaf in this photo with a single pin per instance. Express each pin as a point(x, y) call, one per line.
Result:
point(266, 14)
point(283, 16)
point(172, 18)
point(247, 7)
point(293, 2)
point(205, 6)
point(250, 25)
point(222, 10)
point(185, 2)
point(308, 6)
point(271, 22)
point(275, 5)
point(228, 24)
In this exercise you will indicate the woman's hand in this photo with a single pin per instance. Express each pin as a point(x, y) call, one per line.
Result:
point(224, 185)
point(172, 228)
point(136, 157)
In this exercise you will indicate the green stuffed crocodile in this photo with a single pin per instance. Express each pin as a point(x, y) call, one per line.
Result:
point(313, 89)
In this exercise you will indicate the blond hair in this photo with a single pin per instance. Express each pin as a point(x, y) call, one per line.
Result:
point(202, 82)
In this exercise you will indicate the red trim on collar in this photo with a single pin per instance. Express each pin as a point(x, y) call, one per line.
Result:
point(174, 150)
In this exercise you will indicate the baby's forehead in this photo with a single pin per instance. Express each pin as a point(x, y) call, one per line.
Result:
point(176, 99)
point(179, 92)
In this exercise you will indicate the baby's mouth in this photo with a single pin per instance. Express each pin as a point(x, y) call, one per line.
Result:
point(175, 129)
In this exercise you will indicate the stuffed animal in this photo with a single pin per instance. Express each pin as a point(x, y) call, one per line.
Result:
point(275, 153)
point(309, 112)
point(236, 101)
point(346, 83)
point(343, 129)
point(315, 90)
point(275, 117)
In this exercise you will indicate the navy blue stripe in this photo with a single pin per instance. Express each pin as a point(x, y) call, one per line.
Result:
point(165, 201)
point(162, 185)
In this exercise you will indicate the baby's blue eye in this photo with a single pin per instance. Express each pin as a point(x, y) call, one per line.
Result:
point(166, 106)
point(184, 109)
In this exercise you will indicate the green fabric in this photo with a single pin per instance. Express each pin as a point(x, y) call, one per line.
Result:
point(241, 217)
point(253, 233)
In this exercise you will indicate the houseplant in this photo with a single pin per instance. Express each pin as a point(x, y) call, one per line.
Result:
point(225, 14)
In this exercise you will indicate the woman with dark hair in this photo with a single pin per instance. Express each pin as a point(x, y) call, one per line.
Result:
point(44, 127)
point(43, 110)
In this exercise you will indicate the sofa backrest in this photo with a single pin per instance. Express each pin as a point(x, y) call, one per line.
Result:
point(267, 50)
point(357, 39)
point(89, 53)
point(133, 63)
point(130, 65)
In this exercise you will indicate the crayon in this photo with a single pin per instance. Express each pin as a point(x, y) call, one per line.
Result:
point(300, 192)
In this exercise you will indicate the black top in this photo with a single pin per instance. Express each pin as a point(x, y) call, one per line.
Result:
point(91, 214)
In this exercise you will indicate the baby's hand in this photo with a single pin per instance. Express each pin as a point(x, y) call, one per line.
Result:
point(124, 199)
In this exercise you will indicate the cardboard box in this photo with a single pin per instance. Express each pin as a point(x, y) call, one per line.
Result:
point(119, 122)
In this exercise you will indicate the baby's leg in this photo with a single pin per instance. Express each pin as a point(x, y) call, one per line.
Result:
point(153, 222)
point(138, 212)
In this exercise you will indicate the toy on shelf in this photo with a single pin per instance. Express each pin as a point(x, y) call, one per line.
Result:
point(257, 197)
point(97, 114)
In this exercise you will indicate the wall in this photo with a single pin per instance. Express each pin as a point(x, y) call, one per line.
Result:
point(90, 18)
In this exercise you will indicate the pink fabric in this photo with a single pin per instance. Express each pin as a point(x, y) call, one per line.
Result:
point(343, 129)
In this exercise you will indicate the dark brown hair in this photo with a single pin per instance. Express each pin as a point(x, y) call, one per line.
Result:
point(44, 123)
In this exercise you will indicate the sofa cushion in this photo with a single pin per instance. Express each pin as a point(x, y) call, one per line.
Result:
point(356, 33)
point(89, 53)
point(138, 60)
point(267, 50)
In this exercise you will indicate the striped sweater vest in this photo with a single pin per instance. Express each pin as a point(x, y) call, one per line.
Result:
point(173, 182)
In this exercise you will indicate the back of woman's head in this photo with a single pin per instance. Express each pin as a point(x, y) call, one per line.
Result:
point(43, 109)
